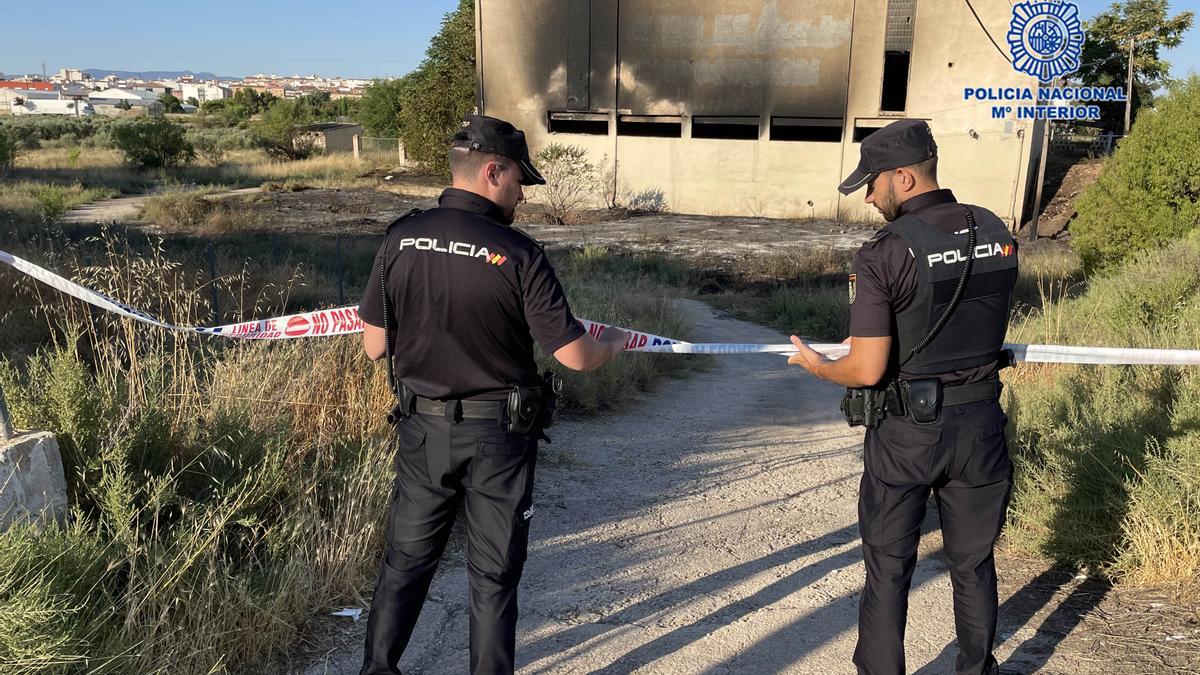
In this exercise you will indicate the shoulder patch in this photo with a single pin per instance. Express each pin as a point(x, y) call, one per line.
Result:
point(403, 218)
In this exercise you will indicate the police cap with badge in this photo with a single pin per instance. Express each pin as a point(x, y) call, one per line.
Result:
point(488, 134)
point(901, 143)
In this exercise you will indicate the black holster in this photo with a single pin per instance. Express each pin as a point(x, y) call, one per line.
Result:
point(867, 407)
point(406, 403)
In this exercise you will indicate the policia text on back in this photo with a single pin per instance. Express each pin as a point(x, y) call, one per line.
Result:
point(924, 397)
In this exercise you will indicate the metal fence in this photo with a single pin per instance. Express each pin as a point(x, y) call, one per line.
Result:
point(1082, 143)
point(386, 152)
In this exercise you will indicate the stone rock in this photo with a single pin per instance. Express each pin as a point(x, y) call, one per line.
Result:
point(33, 487)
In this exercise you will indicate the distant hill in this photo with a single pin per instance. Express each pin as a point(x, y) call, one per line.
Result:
point(98, 73)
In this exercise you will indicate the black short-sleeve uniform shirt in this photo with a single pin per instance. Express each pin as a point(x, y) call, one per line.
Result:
point(467, 297)
point(884, 280)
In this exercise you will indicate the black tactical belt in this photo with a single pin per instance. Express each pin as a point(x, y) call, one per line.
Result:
point(971, 393)
point(467, 410)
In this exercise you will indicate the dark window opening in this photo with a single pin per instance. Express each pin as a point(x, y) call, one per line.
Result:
point(591, 127)
point(594, 124)
point(806, 129)
point(897, 53)
point(662, 127)
point(860, 133)
point(895, 82)
point(739, 128)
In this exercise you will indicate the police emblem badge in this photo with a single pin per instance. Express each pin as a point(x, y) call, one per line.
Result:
point(1045, 38)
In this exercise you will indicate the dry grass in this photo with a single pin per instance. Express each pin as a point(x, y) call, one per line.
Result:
point(197, 213)
point(101, 167)
point(1104, 455)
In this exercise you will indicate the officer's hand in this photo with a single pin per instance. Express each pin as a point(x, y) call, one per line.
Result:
point(614, 338)
point(806, 357)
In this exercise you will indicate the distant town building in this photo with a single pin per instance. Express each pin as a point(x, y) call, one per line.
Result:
point(17, 93)
point(71, 75)
point(75, 107)
point(202, 91)
point(114, 101)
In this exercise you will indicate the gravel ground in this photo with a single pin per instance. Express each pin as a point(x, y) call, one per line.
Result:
point(712, 528)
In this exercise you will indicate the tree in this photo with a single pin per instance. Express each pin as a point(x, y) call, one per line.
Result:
point(193, 101)
point(152, 142)
point(224, 111)
point(170, 103)
point(253, 102)
point(379, 111)
point(123, 105)
point(1106, 52)
point(281, 133)
point(346, 107)
point(441, 90)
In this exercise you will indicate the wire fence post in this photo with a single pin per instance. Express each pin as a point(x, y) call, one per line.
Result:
point(211, 254)
point(6, 430)
point(341, 289)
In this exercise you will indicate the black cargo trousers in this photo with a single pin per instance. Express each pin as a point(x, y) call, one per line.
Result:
point(439, 466)
point(963, 459)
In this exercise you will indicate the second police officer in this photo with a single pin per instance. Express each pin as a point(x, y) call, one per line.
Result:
point(930, 296)
point(462, 297)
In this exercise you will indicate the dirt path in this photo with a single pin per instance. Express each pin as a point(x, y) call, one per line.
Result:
point(124, 209)
point(712, 529)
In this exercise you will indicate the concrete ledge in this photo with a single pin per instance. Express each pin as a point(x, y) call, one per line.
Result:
point(33, 487)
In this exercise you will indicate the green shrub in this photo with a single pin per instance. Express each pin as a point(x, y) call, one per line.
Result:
point(571, 180)
point(32, 130)
point(153, 142)
point(54, 200)
point(209, 150)
point(9, 148)
point(1149, 191)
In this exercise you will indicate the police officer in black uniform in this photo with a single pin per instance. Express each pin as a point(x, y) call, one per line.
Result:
point(930, 296)
point(457, 298)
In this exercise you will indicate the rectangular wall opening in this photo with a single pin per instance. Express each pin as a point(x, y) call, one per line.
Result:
point(655, 126)
point(592, 124)
point(734, 127)
point(897, 55)
point(861, 133)
point(806, 129)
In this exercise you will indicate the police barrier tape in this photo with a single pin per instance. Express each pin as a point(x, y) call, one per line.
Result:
point(345, 320)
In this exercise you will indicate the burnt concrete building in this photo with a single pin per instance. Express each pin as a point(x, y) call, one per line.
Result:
point(757, 107)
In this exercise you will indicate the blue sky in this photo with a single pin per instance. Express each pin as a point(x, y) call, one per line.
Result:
point(350, 37)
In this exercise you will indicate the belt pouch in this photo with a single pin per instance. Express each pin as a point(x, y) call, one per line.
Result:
point(924, 398)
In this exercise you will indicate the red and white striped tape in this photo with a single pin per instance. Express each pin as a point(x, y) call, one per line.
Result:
point(345, 321)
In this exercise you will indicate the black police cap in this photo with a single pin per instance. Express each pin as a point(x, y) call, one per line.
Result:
point(488, 134)
point(901, 143)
